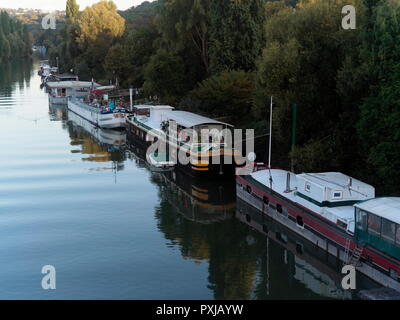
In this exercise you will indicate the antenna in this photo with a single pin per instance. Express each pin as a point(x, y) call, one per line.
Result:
point(270, 145)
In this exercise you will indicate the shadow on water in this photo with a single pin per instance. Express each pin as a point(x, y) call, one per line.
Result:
point(15, 72)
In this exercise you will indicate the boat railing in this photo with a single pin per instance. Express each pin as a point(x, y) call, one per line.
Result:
point(82, 104)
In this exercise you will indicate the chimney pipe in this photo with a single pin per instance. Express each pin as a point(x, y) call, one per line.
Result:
point(288, 182)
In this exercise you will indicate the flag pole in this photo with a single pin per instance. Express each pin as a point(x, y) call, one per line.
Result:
point(270, 135)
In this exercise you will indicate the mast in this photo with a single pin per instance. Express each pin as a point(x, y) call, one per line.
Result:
point(270, 135)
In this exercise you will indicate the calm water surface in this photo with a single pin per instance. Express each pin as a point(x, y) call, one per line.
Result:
point(77, 198)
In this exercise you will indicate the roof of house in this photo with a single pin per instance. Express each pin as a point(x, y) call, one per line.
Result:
point(189, 119)
point(388, 208)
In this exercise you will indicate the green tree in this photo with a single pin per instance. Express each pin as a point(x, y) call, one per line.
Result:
point(129, 58)
point(165, 77)
point(100, 20)
point(226, 94)
point(99, 27)
point(185, 23)
point(5, 22)
point(379, 123)
point(300, 64)
point(236, 37)
point(72, 10)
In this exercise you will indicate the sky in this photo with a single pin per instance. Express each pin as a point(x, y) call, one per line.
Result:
point(60, 4)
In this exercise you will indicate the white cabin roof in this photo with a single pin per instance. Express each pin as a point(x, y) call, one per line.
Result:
point(334, 180)
point(388, 208)
point(152, 107)
point(71, 84)
point(112, 87)
point(189, 119)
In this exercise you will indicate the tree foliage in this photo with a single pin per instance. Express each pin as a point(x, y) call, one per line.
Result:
point(165, 77)
point(379, 123)
point(300, 64)
point(72, 10)
point(101, 20)
point(237, 36)
point(15, 39)
point(226, 94)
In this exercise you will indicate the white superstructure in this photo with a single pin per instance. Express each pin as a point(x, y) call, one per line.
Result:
point(60, 91)
point(107, 120)
point(330, 194)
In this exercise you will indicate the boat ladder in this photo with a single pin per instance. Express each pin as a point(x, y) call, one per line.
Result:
point(354, 258)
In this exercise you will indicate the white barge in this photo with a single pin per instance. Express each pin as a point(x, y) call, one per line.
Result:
point(99, 109)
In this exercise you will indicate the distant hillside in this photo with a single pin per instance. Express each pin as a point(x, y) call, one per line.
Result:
point(141, 15)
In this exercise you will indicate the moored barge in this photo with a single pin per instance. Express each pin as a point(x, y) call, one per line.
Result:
point(60, 91)
point(100, 108)
point(336, 212)
point(149, 125)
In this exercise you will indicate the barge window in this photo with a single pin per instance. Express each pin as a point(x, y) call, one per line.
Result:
point(308, 187)
point(362, 219)
point(374, 224)
point(337, 195)
point(248, 189)
point(341, 224)
point(279, 208)
point(266, 200)
point(398, 236)
point(299, 221)
point(388, 230)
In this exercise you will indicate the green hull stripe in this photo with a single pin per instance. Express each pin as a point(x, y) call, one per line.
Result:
point(326, 203)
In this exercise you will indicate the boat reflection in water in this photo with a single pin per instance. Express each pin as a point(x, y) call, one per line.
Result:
point(195, 199)
point(313, 267)
point(58, 112)
point(101, 145)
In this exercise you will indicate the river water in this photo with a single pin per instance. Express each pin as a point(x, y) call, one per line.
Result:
point(79, 199)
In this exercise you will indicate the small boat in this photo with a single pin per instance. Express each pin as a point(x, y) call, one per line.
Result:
point(102, 107)
point(42, 65)
point(160, 162)
point(60, 91)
